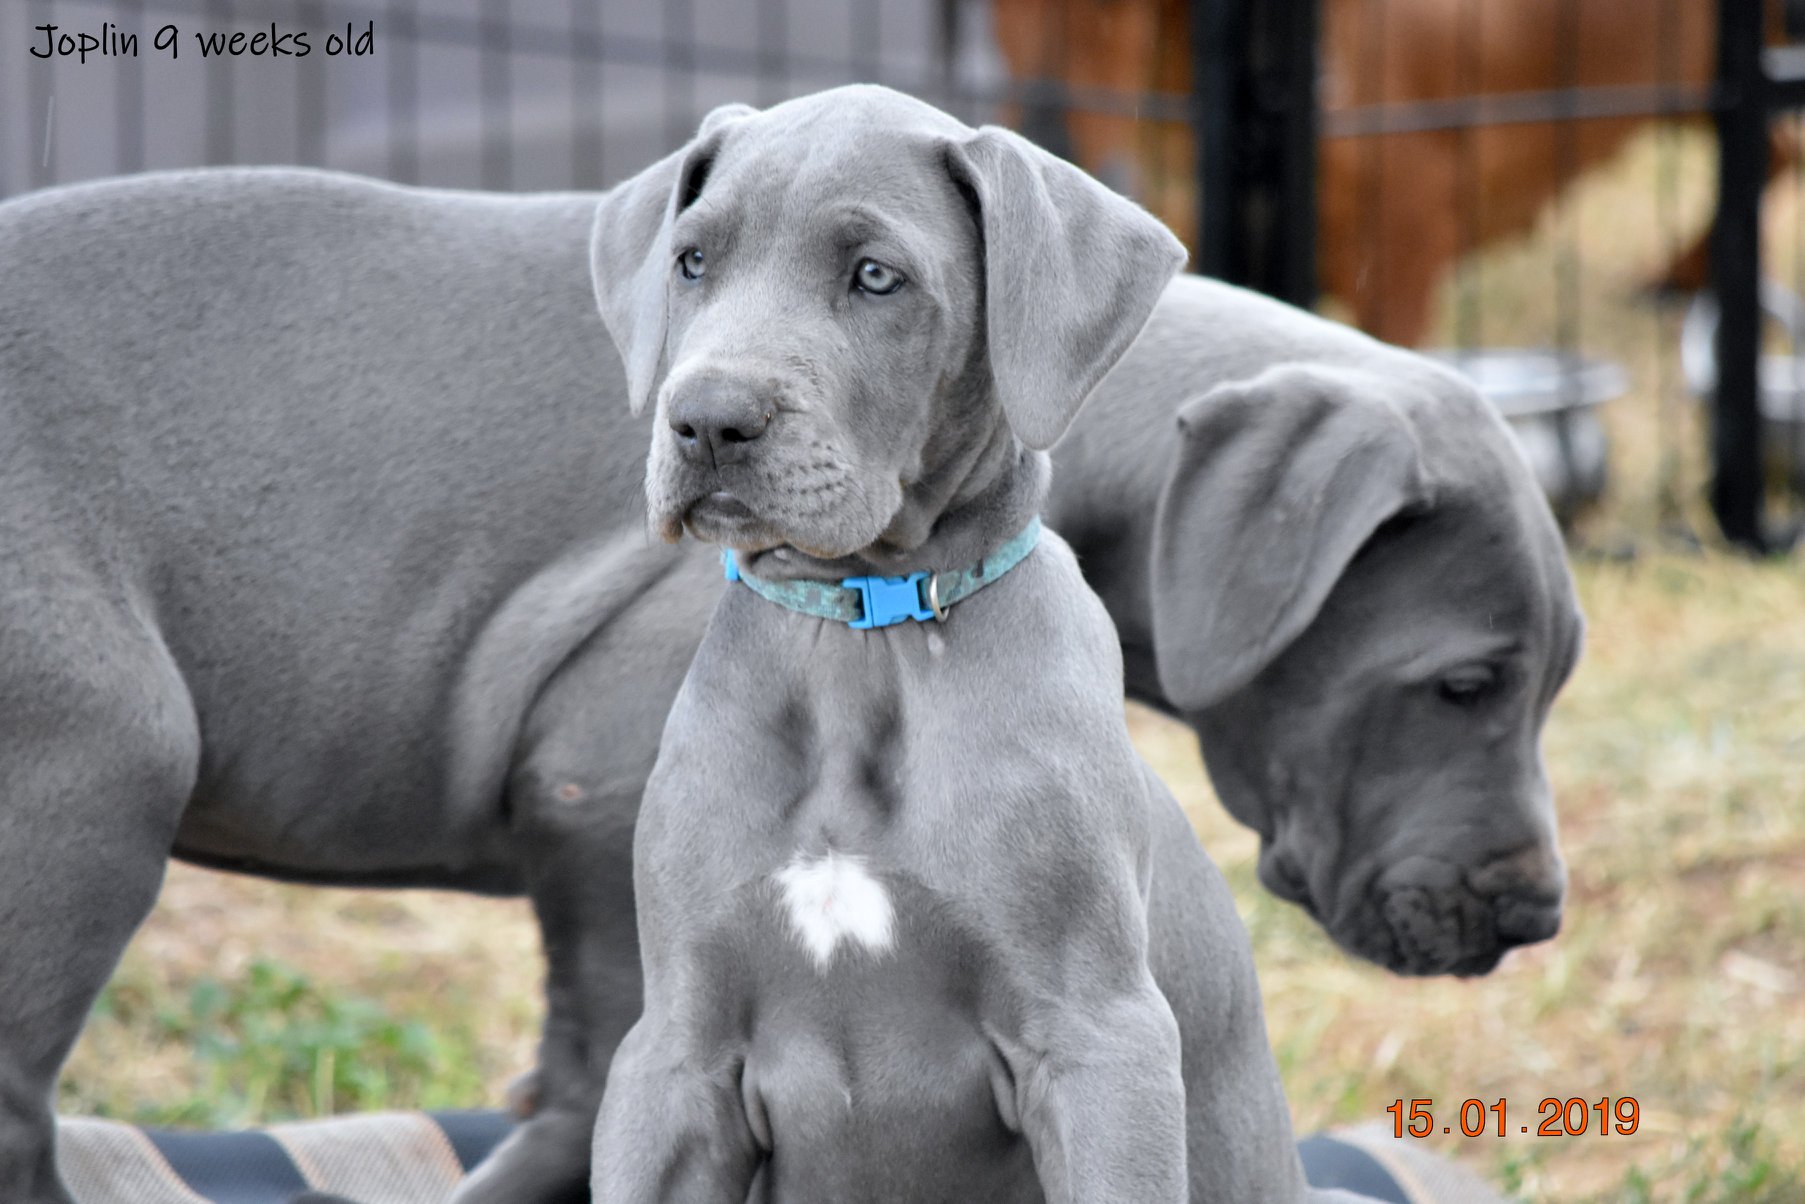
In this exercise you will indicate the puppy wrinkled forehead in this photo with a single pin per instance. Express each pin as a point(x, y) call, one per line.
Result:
point(804, 166)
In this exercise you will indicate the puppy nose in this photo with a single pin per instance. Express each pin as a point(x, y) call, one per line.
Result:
point(1525, 918)
point(1525, 889)
point(715, 420)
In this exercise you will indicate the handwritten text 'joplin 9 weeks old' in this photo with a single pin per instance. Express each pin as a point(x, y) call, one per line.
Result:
point(110, 41)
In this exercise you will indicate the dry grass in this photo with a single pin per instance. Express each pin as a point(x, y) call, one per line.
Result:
point(1678, 752)
point(1679, 977)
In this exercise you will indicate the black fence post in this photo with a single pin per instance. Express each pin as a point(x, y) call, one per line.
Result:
point(1282, 213)
point(1217, 69)
point(1737, 480)
point(1254, 110)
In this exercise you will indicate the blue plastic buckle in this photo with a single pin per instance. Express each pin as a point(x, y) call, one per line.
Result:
point(730, 564)
point(889, 600)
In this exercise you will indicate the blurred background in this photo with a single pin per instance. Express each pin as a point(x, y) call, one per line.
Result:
point(1554, 194)
point(1526, 187)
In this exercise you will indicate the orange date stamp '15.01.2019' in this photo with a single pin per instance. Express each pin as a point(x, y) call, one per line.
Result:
point(1556, 1117)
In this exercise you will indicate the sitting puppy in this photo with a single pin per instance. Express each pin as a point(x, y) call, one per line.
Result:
point(917, 923)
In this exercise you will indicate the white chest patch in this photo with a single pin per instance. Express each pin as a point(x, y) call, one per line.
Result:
point(831, 899)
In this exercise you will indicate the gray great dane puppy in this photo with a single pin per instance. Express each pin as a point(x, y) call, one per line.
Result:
point(324, 558)
point(893, 884)
point(1337, 569)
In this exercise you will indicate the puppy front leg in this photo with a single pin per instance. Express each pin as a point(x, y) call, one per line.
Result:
point(672, 1128)
point(1102, 1103)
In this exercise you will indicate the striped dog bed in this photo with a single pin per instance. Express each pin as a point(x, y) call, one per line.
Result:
point(418, 1157)
point(374, 1158)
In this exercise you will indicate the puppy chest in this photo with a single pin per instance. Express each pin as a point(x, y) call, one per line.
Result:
point(832, 899)
point(838, 768)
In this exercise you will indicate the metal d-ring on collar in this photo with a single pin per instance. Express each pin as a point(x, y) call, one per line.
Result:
point(868, 602)
point(933, 592)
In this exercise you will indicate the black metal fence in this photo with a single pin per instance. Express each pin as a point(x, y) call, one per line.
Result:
point(1756, 83)
point(1263, 123)
point(1235, 119)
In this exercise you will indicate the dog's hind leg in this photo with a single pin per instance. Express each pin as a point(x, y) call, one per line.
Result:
point(581, 881)
point(581, 766)
point(99, 749)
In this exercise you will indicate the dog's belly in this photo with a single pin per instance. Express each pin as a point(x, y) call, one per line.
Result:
point(352, 846)
point(489, 877)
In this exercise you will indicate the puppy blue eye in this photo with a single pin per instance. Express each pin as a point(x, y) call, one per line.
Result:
point(878, 279)
point(692, 264)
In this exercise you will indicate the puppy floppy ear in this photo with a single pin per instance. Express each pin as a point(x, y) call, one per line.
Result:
point(1279, 482)
point(628, 244)
point(1071, 274)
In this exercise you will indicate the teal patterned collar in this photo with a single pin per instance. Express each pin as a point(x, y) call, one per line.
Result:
point(866, 602)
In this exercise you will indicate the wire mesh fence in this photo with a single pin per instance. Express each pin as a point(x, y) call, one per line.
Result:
point(497, 94)
point(1508, 184)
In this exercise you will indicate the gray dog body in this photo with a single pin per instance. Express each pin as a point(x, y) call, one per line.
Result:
point(325, 558)
point(893, 884)
point(260, 609)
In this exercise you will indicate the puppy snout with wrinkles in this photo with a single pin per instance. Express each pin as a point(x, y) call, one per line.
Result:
point(1426, 913)
point(1436, 919)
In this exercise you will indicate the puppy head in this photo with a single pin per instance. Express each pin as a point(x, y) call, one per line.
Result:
point(1362, 606)
point(851, 309)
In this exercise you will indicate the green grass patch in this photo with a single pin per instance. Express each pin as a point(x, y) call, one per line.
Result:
point(274, 1044)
